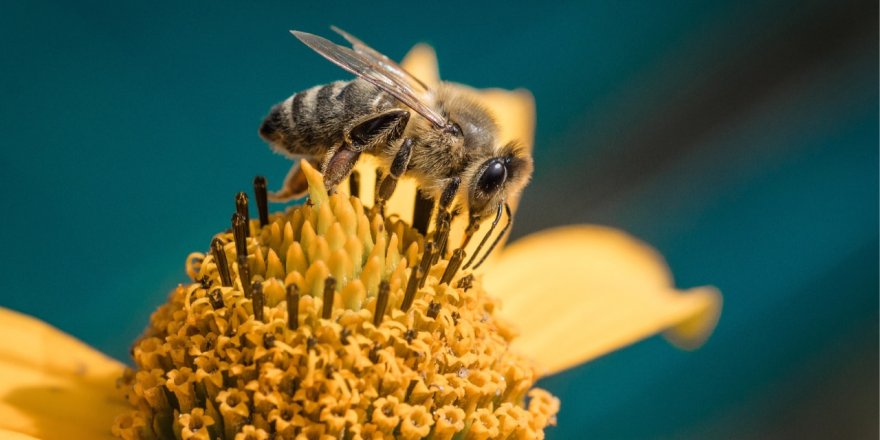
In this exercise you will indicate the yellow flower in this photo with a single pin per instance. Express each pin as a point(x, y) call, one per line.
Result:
point(573, 294)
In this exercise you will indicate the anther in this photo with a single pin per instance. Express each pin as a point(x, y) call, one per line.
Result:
point(410, 388)
point(244, 274)
point(452, 267)
point(257, 293)
point(216, 298)
point(425, 263)
point(239, 232)
point(268, 340)
point(466, 282)
point(262, 199)
point(311, 342)
point(381, 303)
point(411, 286)
point(292, 306)
point(329, 289)
point(433, 309)
point(354, 184)
point(409, 335)
point(373, 354)
point(241, 207)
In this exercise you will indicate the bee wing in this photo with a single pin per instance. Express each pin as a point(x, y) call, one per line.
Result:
point(372, 71)
point(380, 59)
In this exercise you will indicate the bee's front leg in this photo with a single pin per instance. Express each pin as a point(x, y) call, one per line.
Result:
point(364, 135)
point(398, 167)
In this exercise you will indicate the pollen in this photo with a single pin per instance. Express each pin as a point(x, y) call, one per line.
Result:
point(329, 321)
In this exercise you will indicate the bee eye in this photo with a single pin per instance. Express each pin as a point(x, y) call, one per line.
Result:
point(492, 177)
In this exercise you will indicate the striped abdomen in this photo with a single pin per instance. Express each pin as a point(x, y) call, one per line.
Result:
point(310, 122)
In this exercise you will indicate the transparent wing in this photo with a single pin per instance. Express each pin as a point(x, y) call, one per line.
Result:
point(372, 71)
point(380, 59)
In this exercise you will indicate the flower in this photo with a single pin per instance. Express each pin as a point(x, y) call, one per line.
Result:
point(573, 294)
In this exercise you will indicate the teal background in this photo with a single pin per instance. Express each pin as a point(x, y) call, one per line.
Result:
point(738, 137)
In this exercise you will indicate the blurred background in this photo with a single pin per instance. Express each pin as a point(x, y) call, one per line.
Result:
point(738, 137)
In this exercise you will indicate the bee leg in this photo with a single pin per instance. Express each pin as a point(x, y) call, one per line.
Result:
point(364, 135)
point(398, 167)
point(295, 184)
point(444, 217)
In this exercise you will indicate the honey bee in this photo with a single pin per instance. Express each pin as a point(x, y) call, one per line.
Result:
point(438, 135)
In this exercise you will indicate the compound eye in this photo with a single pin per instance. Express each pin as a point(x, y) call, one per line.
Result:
point(492, 177)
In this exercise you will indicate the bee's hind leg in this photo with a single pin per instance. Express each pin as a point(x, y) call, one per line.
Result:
point(364, 135)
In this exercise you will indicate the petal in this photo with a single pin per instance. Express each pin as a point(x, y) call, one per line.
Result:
point(53, 385)
point(579, 292)
point(12, 435)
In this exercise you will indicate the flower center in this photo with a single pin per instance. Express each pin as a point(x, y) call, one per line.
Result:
point(329, 320)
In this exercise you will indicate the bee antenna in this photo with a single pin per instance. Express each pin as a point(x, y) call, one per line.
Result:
point(485, 237)
point(498, 238)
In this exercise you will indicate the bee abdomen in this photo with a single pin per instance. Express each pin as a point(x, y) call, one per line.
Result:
point(312, 121)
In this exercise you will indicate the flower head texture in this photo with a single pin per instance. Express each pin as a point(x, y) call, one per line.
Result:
point(335, 320)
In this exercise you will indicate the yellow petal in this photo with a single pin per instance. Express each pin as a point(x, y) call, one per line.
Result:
point(579, 292)
point(53, 386)
point(12, 435)
point(513, 110)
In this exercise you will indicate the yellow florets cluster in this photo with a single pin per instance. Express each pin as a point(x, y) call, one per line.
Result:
point(314, 339)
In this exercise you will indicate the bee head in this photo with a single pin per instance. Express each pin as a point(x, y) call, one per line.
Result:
point(497, 179)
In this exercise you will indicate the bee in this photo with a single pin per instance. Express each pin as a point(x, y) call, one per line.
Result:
point(437, 134)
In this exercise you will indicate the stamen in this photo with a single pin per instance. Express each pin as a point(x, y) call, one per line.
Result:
point(373, 354)
point(257, 293)
point(466, 282)
point(262, 200)
point(452, 267)
point(241, 207)
point(425, 263)
point(409, 335)
point(422, 212)
point(239, 232)
point(292, 306)
point(354, 184)
point(433, 309)
point(409, 389)
point(381, 302)
point(220, 260)
point(216, 298)
point(411, 286)
point(329, 289)
point(268, 340)
point(244, 274)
